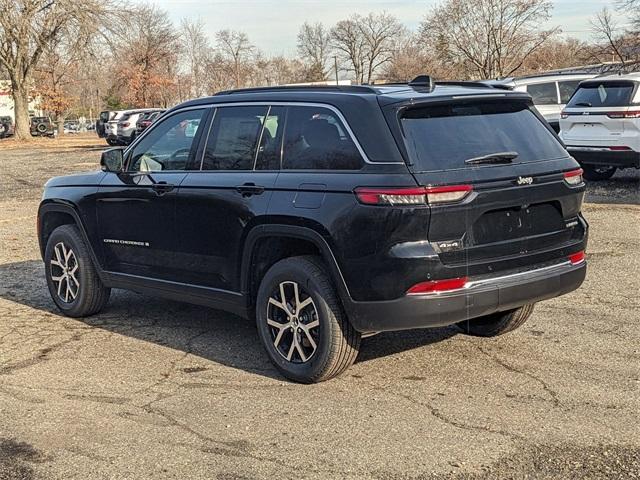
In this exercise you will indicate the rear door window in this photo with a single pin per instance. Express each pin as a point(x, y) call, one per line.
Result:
point(316, 139)
point(603, 94)
point(442, 137)
point(543, 93)
point(233, 139)
point(567, 88)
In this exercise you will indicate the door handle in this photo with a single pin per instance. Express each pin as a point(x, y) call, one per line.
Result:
point(162, 187)
point(249, 188)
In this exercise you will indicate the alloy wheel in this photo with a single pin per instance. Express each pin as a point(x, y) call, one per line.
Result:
point(64, 270)
point(293, 322)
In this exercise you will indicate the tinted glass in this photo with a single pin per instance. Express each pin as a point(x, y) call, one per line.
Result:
point(169, 145)
point(443, 137)
point(566, 89)
point(315, 138)
point(603, 94)
point(233, 138)
point(271, 140)
point(543, 93)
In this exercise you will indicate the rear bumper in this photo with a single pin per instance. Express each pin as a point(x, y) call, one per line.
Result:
point(478, 298)
point(604, 156)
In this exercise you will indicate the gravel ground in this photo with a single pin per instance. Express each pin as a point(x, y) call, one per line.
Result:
point(157, 389)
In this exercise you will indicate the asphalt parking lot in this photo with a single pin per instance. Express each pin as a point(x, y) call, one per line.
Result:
point(152, 388)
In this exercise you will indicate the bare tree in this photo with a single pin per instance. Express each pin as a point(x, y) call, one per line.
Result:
point(488, 38)
point(198, 53)
point(314, 49)
point(366, 44)
point(607, 32)
point(29, 27)
point(235, 47)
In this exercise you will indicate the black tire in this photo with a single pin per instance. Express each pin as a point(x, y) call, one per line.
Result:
point(497, 323)
point(598, 172)
point(111, 142)
point(42, 127)
point(336, 341)
point(90, 294)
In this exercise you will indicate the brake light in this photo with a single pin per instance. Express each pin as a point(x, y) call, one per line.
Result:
point(391, 196)
point(619, 148)
point(125, 124)
point(574, 177)
point(434, 286)
point(577, 258)
point(412, 195)
point(629, 114)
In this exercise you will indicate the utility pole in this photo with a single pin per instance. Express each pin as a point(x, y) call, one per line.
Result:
point(335, 66)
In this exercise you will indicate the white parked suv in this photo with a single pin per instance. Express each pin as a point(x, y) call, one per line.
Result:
point(600, 125)
point(550, 91)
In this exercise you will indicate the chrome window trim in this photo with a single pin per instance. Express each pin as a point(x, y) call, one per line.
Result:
point(284, 104)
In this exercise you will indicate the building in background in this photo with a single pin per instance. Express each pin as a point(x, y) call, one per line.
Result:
point(6, 102)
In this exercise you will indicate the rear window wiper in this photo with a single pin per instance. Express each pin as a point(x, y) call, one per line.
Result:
point(498, 157)
point(583, 104)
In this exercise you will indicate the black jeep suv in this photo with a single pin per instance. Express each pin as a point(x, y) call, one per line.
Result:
point(328, 213)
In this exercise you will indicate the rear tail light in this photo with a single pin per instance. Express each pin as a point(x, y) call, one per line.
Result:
point(619, 148)
point(434, 286)
point(577, 258)
point(574, 177)
point(125, 124)
point(629, 114)
point(412, 195)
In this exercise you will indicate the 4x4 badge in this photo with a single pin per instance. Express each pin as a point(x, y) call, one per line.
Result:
point(524, 180)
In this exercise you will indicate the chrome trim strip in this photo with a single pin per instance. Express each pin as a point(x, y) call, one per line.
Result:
point(508, 278)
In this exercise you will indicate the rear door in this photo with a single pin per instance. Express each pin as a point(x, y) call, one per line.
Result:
point(517, 211)
point(595, 115)
point(219, 203)
point(545, 98)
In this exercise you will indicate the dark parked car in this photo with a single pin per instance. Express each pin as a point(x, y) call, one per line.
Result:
point(42, 127)
point(328, 214)
point(6, 126)
point(103, 118)
point(146, 119)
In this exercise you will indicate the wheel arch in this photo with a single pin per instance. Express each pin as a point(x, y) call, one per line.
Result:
point(53, 214)
point(312, 243)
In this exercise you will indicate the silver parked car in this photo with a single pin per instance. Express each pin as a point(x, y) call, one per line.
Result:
point(126, 130)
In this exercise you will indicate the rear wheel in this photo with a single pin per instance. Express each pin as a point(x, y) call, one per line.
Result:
point(72, 279)
point(497, 323)
point(598, 172)
point(301, 322)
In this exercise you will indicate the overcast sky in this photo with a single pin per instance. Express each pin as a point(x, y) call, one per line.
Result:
point(273, 24)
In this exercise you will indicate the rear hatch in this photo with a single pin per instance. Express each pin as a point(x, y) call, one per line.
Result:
point(596, 113)
point(520, 210)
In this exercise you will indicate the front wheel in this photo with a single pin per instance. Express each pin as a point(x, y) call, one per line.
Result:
point(72, 279)
point(497, 323)
point(598, 172)
point(301, 322)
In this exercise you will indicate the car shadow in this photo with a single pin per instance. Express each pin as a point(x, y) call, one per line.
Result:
point(622, 188)
point(213, 335)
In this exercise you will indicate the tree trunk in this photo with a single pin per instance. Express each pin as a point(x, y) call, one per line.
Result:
point(21, 111)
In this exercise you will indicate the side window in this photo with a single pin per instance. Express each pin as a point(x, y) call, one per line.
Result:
point(233, 138)
point(169, 145)
point(566, 89)
point(271, 140)
point(543, 93)
point(315, 138)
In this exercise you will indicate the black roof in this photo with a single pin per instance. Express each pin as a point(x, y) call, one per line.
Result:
point(385, 94)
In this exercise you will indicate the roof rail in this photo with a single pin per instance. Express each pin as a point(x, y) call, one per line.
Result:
point(465, 83)
point(289, 88)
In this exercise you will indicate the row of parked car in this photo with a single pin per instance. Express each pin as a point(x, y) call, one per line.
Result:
point(596, 116)
point(121, 127)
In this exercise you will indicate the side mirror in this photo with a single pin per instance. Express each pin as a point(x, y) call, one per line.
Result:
point(112, 160)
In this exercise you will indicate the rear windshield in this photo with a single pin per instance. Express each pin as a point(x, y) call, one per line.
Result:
point(442, 137)
point(602, 94)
